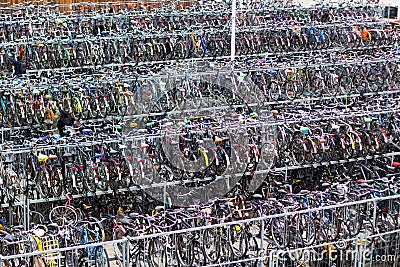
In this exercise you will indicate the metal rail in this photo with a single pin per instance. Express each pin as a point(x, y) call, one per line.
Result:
point(261, 124)
point(125, 242)
point(238, 57)
point(205, 179)
point(142, 35)
point(212, 109)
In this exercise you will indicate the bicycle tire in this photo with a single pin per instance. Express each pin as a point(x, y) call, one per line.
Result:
point(157, 253)
point(309, 233)
point(89, 180)
point(63, 214)
point(41, 183)
point(274, 91)
point(118, 248)
point(184, 249)
point(101, 257)
point(297, 153)
point(56, 182)
point(139, 259)
point(95, 232)
point(279, 230)
point(211, 242)
point(238, 241)
point(385, 222)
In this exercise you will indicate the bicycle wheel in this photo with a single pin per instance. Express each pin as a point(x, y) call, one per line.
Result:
point(118, 234)
point(41, 183)
point(297, 152)
point(139, 259)
point(71, 258)
point(273, 44)
point(97, 257)
point(274, 91)
point(89, 181)
point(114, 182)
point(95, 229)
point(296, 42)
point(56, 182)
point(280, 232)
point(103, 183)
point(211, 245)
point(267, 155)
point(385, 222)
point(198, 256)
point(184, 249)
point(126, 180)
point(253, 249)
point(63, 215)
point(290, 89)
point(157, 252)
point(354, 220)
point(329, 225)
point(37, 261)
point(307, 229)
point(67, 181)
point(101, 257)
point(238, 241)
point(326, 41)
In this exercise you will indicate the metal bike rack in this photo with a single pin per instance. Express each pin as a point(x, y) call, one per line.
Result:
point(273, 258)
point(265, 254)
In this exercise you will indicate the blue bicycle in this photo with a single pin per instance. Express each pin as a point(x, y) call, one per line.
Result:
point(317, 38)
point(86, 232)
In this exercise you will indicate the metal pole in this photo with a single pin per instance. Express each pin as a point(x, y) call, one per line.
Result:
point(261, 243)
point(127, 253)
point(165, 194)
point(10, 214)
point(271, 263)
point(355, 260)
point(396, 254)
point(286, 172)
point(122, 261)
point(361, 259)
point(233, 31)
point(26, 213)
point(374, 215)
point(398, 12)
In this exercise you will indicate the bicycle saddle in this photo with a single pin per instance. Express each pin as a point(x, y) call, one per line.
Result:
point(52, 226)
point(113, 151)
point(303, 192)
point(257, 196)
point(98, 156)
point(67, 155)
point(391, 175)
point(85, 207)
point(396, 164)
point(86, 131)
point(42, 158)
point(53, 157)
point(125, 221)
point(133, 215)
point(9, 238)
point(8, 161)
point(325, 184)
